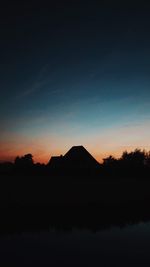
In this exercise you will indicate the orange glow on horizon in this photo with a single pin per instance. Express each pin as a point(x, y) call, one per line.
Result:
point(100, 144)
point(44, 157)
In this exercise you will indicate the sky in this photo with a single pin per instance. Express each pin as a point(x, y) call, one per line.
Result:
point(74, 73)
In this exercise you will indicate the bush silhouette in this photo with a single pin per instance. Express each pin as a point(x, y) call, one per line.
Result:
point(24, 161)
point(134, 159)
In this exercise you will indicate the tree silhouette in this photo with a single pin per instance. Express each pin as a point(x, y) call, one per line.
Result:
point(134, 159)
point(109, 161)
point(24, 161)
point(147, 159)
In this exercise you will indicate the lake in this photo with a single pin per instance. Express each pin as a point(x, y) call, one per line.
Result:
point(128, 246)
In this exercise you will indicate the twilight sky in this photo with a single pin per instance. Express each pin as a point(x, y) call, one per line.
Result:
point(74, 73)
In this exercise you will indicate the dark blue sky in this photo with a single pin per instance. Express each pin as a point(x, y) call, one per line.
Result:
point(74, 73)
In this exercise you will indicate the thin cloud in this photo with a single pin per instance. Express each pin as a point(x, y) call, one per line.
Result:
point(34, 88)
point(37, 85)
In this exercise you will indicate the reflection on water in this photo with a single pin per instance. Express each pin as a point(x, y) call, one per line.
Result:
point(129, 246)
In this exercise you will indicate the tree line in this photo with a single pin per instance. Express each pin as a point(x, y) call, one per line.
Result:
point(134, 162)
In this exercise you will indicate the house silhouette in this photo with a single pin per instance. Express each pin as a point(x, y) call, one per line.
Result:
point(76, 158)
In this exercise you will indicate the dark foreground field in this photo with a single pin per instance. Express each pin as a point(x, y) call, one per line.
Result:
point(38, 203)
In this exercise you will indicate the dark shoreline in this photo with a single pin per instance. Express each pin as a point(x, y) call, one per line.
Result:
point(92, 217)
point(35, 202)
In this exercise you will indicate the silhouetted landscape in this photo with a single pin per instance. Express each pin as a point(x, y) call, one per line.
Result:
point(74, 133)
point(75, 190)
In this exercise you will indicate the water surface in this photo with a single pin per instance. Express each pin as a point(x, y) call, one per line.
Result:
point(129, 246)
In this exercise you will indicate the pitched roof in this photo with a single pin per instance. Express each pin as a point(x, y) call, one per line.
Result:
point(55, 161)
point(80, 157)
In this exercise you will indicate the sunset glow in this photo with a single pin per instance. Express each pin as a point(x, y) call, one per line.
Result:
point(81, 79)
